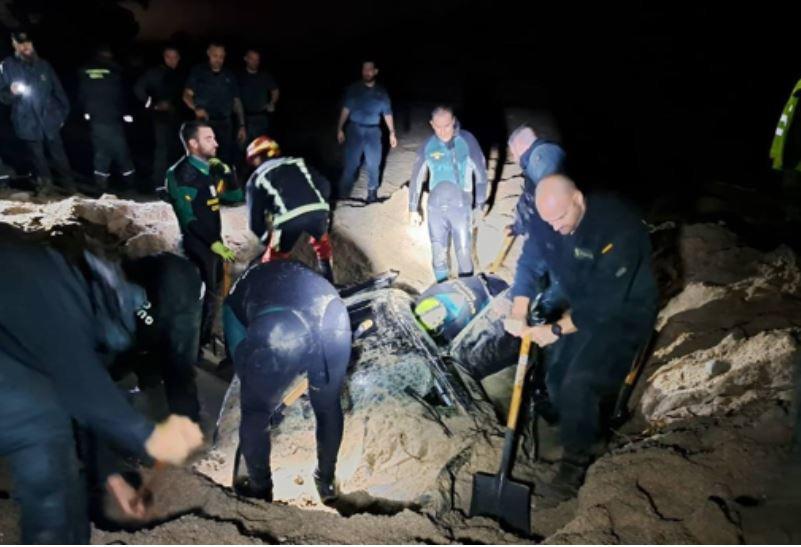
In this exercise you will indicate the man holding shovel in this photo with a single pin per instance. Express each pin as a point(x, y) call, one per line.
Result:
point(598, 250)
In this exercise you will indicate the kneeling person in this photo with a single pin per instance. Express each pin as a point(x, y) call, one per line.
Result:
point(281, 320)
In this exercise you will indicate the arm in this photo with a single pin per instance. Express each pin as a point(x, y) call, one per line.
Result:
point(419, 172)
point(343, 117)
point(58, 94)
point(182, 198)
point(257, 211)
point(531, 268)
point(142, 86)
point(239, 112)
point(274, 96)
point(390, 121)
point(479, 166)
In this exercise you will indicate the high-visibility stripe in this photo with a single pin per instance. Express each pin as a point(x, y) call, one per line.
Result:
point(294, 213)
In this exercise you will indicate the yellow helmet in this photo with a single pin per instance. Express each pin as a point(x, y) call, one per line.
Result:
point(262, 146)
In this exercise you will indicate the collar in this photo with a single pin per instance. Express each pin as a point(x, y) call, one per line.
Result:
point(199, 164)
point(526, 157)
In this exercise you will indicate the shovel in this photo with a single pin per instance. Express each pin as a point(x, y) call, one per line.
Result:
point(498, 496)
point(498, 262)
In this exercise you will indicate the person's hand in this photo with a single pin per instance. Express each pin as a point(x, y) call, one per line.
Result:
point(219, 248)
point(173, 440)
point(415, 218)
point(514, 325)
point(393, 140)
point(269, 107)
point(542, 335)
point(201, 114)
point(241, 135)
point(127, 498)
point(18, 88)
point(509, 230)
point(340, 136)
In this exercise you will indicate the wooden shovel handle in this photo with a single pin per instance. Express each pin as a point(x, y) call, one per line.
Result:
point(520, 379)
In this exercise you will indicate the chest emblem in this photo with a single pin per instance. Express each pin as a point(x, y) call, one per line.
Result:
point(437, 155)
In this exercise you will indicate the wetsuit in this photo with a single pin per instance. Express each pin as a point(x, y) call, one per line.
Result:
point(450, 167)
point(196, 190)
point(295, 196)
point(283, 319)
point(604, 271)
point(60, 325)
point(448, 307)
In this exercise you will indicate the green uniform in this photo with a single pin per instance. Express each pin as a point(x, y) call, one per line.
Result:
point(785, 152)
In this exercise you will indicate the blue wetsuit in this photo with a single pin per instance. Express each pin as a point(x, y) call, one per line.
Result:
point(282, 319)
point(451, 167)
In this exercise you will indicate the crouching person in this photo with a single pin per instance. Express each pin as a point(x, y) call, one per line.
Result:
point(282, 319)
point(61, 322)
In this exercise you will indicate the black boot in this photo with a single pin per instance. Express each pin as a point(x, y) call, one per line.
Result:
point(326, 487)
point(372, 195)
point(569, 478)
point(244, 487)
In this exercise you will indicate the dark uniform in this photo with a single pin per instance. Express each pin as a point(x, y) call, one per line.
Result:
point(103, 98)
point(604, 271)
point(255, 90)
point(196, 190)
point(168, 330)
point(215, 93)
point(450, 167)
point(163, 84)
point(363, 134)
point(282, 319)
point(295, 196)
point(60, 325)
point(37, 115)
point(543, 158)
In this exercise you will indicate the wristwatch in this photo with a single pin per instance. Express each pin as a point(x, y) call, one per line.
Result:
point(556, 329)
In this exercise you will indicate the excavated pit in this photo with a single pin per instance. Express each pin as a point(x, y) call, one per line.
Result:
point(705, 459)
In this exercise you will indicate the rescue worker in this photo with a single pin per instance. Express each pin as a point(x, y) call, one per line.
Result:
point(39, 108)
point(287, 198)
point(53, 371)
point(167, 330)
point(598, 250)
point(365, 103)
point(537, 158)
point(260, 95)
point(212, 93)
point(448, 307)
point(197, 185)
point(451, 158)
point(160, 90)
point(281, 320)
point(103, 98)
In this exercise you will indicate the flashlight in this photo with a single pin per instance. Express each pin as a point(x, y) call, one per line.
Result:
point(21, 88)
point(127, 118)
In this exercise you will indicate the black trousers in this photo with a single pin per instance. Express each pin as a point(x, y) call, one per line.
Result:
point(210, 267)
point(111, 148)
point(224, 134)
point(55, 148)
point(585, 369)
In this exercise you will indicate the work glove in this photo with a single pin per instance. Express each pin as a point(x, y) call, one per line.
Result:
point(415, 219)
point(173, 440)
point(218, 166)
point(219, 248)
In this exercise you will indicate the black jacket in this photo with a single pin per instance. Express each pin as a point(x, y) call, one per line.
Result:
point(101, 92)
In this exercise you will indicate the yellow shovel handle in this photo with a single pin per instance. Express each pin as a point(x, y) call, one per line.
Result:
point(520, 379)
point(296, 391)
point(507, 244)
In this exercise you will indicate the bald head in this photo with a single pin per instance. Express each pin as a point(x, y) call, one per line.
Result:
point(560, 203)
point(521, 140)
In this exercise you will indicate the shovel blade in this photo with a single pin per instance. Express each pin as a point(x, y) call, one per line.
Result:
point(498, 497)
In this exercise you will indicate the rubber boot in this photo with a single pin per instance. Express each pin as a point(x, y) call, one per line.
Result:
point(326, 487)
point(244, 487)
